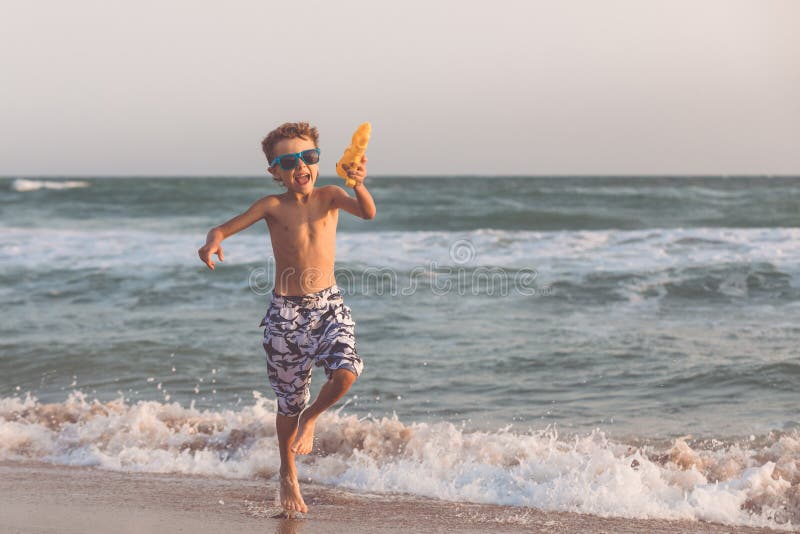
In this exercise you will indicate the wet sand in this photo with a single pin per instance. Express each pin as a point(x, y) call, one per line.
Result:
point(45, 499)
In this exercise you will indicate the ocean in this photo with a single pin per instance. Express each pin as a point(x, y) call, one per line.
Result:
point(621, 346)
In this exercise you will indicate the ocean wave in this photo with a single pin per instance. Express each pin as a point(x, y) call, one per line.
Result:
point(22, 185)
point(753, 481)
point(509, 204)
point(634, 267)
point(706, 282)
point(626, 251)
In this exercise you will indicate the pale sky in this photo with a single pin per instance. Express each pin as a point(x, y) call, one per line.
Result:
point(451, 87)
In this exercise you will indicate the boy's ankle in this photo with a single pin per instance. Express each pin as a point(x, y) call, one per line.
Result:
point(307, 416)
point(287, 475)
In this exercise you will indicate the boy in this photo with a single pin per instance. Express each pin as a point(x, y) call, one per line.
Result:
point(307, 321)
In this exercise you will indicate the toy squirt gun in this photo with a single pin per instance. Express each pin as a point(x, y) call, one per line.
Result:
point(353, 154)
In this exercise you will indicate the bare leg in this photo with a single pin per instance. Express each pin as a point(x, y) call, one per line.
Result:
point(333, 390)
point(291, 499)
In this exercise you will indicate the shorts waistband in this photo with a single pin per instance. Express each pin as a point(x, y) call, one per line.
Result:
point(314, 300)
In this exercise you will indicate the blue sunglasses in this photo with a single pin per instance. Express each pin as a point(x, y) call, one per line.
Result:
point(289, 161)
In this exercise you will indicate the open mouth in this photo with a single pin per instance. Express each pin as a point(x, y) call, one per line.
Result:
point(302, 179)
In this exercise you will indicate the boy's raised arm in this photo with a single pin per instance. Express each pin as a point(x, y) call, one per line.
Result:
point(259, 210)
point(363, 205)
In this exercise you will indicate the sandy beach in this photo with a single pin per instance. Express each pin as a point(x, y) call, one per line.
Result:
point(41, 498)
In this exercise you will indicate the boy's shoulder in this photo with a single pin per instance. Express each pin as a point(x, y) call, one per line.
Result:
point(269, 200)
point(267, 204)
point(329, 189)
point(332, 192)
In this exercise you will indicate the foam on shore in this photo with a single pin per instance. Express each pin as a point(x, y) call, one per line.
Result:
point(753, 482)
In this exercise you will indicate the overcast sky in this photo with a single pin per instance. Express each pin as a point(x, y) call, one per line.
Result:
point(451, 87)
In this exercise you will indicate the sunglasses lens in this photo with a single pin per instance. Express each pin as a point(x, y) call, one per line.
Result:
point(288, 162)
point(310, 157)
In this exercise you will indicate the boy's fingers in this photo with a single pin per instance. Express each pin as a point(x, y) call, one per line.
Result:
point(221, 255)
point(364, 158)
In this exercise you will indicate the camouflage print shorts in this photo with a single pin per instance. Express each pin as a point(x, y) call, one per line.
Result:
point(301, 331)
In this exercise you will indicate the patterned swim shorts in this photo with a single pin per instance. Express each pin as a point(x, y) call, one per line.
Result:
point(315, 328)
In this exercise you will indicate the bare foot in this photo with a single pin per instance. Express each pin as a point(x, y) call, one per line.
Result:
point(304, 441)
point(291, 499)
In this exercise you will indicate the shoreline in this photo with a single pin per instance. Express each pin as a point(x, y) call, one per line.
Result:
point(44, 498)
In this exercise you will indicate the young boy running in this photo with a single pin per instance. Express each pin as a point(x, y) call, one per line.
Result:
point(307, 321)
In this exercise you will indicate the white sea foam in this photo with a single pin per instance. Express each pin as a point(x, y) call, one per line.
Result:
point(23, 185)
point(578, 252)
point(640, 267)
point(755, 483)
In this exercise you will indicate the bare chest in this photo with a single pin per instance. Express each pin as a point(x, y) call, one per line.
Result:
point(298, 228)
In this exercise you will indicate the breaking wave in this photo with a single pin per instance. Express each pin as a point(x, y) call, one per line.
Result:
point(22, 184)
point(754, 481)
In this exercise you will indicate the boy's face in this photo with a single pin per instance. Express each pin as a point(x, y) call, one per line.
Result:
point(301, 179)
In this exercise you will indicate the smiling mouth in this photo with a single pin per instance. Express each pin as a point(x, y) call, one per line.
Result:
point(302, 179)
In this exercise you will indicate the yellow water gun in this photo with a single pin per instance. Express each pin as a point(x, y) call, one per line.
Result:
point(353, 154)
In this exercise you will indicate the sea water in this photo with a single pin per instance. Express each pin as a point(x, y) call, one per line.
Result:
point(619, 346)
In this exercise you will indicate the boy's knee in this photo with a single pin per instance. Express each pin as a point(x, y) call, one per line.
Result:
point(291, 404)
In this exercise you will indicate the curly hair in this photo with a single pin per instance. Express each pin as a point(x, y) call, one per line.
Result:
point(288, 130)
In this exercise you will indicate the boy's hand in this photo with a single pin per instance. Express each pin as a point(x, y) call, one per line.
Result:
point(358, 173)
point(207, 250)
